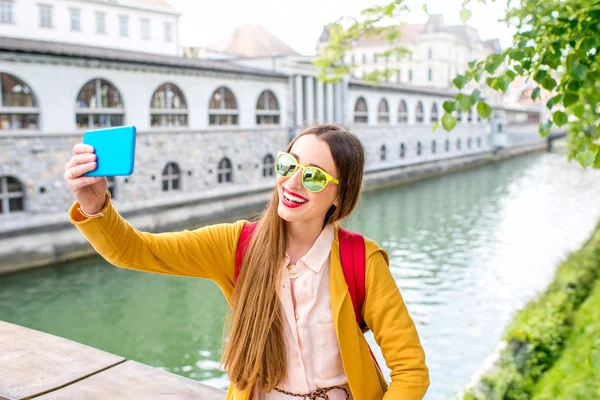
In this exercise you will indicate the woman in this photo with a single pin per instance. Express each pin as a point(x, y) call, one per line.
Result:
point(293, 330)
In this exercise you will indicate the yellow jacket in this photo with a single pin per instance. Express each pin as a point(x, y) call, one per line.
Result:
point(209, 252)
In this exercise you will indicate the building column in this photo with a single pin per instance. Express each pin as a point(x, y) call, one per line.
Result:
point(319, 102)
point(339, 104)
point(329, 102)
point(299, 101)
point(309, 101)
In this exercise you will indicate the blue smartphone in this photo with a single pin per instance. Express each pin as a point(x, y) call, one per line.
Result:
point(114, 148)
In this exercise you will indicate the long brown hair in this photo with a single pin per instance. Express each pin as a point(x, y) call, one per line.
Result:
point(256, 348)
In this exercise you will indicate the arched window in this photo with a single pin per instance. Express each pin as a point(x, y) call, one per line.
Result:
point(360, 111)
point(470, 115)
point(168, 107)
point(12, 195)
point(225, 171)
point(469, 143)
point(479, 141)
point(18, 106)
point(434, 113)
point(402, 150)
point(447, 146)
point(268, 166)
point(419, 117)
point(99, 105)
point(419, 148)
point(459, 115)
point(111, 186)
point(171, 177)
point(267, 109)
point(382, 152)
point(223, 108)
point(383, 112)
point(458, 144)
point(402, 112)
point(433, 146)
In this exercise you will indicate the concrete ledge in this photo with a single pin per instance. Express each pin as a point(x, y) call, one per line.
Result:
point(39, 365)
point(60, 241)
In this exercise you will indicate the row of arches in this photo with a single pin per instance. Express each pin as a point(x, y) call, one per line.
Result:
point(12, 192)
point(361, 113)
point(418, 150)
point(99, 104)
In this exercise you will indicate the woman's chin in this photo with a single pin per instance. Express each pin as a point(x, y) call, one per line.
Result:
point(289, 214)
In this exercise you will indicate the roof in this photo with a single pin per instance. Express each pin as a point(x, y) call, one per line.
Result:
point(155, 3)
point(26, 46)
point(435, 23)
point(253, 41)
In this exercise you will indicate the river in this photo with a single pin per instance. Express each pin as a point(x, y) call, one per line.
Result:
point(467, 249)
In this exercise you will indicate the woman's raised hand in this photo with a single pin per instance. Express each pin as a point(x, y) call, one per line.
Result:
point(89, 191)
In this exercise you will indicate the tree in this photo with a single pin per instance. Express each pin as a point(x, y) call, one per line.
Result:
point(556, 45)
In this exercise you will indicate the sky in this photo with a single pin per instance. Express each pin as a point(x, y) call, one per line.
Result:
point(300, 23)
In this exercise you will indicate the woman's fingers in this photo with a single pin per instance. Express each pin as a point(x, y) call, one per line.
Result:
point(81, 148)
point(84, 181)
point(80, 159)
point(78, 170)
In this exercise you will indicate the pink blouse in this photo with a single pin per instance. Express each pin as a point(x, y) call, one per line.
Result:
point(312, 349)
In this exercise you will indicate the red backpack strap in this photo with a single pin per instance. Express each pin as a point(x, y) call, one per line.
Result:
point(242, 246)
point(353, 258)
point(352, 254)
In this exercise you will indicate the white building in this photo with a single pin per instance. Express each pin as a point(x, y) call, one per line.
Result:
point(149, 26)
point(207, 130)
point(437, 53)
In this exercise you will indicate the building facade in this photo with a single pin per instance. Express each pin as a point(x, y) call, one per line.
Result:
point(149, 26)
point(208, 133)
point(437, 52)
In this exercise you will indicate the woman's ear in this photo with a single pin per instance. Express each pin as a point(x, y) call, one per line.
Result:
point(336, 201)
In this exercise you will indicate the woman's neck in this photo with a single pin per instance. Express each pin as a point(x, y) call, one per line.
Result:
point(300, 237)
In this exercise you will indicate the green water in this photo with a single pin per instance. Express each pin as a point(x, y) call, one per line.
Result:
point(467, 249)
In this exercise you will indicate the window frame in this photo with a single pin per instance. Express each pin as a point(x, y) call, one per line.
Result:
point(14, 113)
point(223, 111)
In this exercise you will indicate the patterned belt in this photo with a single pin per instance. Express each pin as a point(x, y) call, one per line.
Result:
point(320, 393)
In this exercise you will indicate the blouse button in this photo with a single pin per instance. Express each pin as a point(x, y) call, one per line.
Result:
point(297, 317)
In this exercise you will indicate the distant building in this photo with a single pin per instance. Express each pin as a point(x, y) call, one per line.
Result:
point(437, 52)
point(246, 41)
point(149, 26)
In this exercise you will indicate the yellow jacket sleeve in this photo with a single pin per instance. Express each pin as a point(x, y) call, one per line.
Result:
point(208, 252)
point(386, 314)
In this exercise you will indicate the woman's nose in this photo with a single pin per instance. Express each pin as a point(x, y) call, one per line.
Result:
point(296, 179)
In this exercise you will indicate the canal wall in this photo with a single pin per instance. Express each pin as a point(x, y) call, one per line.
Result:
point(554, 334)
point(53, 239)
point(37, 365)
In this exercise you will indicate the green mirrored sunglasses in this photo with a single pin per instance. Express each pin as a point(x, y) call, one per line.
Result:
point(314, 179)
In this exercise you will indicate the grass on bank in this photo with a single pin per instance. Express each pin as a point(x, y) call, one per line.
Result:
point(541, 338)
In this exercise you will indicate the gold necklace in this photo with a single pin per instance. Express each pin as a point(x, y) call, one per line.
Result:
point(292, 271)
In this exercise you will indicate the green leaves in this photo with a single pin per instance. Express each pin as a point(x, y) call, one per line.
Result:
point(535, 94)
point(578, 110)
point(460, 81)
point(448, 122)
point(548, 83)
point(464, 102)
point(586, 158)
point(540, 75)
point(484, 110)
point(476, 95)
point(560, 118)
point(493, 62)
point(449, 106)
point(544, 128)
point(570, 99)
point(435, 126)
point(465, 15)
point(578, 71)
